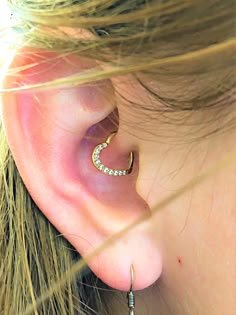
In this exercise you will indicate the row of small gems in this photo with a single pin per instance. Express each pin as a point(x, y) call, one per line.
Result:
point(100, 166)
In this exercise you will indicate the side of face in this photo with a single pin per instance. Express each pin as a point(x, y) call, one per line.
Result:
point(186, 249)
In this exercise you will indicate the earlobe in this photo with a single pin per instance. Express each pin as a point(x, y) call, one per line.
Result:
point(52, 134)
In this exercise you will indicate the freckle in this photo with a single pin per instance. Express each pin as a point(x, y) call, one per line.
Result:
point(180, 262)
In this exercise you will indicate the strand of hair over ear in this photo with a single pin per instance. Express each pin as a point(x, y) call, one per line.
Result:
point(91, 75)
point(227, 161)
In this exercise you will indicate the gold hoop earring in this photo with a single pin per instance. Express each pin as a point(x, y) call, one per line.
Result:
point(104, 169)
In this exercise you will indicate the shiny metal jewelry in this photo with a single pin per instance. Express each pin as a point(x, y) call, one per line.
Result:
point(130, 294)
point(104, 169)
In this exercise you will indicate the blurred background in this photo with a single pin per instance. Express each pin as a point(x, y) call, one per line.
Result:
point(4, 39)
point(4, 22)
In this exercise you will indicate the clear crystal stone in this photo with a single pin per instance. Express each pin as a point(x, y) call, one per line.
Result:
point(96, 156)
point(116, 173)
point(98, 162)
point(106, 170)
point(120, 173)
point(101, 167)
point(111, 172)
point(124, 172)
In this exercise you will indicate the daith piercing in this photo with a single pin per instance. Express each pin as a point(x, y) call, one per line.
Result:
point(104, 169)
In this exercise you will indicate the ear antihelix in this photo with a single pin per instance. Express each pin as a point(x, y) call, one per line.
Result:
point(104, 169)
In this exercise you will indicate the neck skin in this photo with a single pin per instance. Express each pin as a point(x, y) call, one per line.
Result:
point(197, 231)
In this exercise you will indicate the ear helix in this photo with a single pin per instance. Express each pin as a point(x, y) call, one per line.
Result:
point(104, 169)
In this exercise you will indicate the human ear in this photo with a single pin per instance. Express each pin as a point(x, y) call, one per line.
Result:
point(52, 134)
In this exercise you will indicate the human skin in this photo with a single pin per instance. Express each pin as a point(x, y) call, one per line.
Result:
point(184, 256)
point(196, 232)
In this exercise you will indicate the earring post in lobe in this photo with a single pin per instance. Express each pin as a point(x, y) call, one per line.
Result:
point(104, 169)
point(130, 295)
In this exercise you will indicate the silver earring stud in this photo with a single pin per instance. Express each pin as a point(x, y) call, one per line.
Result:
point(130, 294)
point(104, 169)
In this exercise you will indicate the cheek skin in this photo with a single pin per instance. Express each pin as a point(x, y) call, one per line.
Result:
point(199, 228)
point(199, 255)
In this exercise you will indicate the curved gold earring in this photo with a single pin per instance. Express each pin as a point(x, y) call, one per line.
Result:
point(104, 169)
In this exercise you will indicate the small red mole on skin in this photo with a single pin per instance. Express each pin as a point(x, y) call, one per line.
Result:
point(180, 262)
